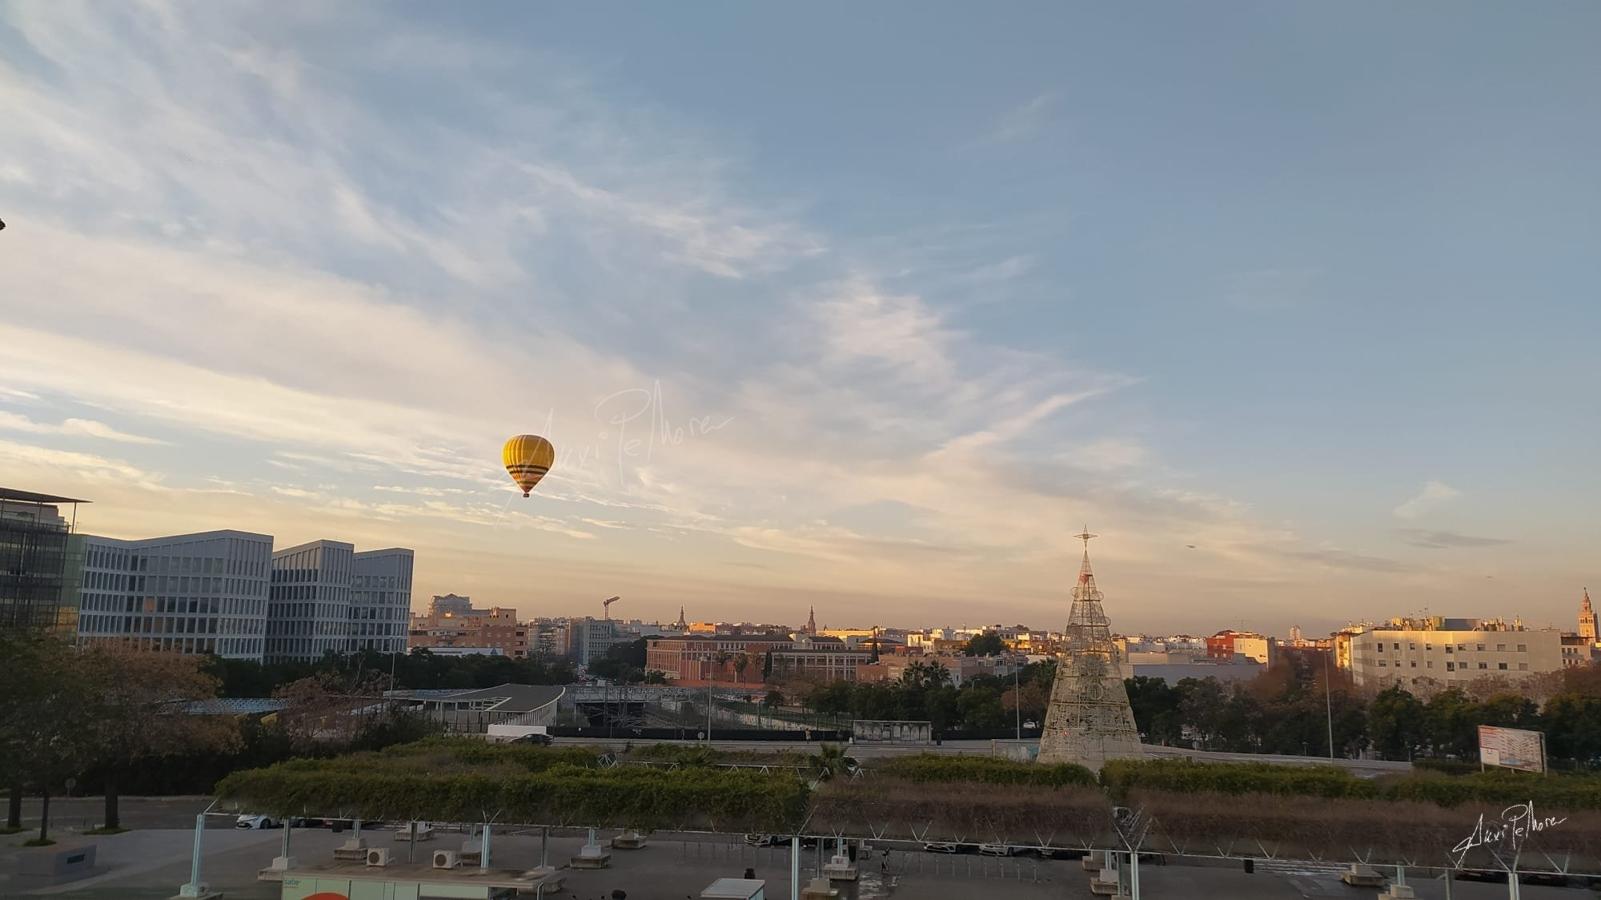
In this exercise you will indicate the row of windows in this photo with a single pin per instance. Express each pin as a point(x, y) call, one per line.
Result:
point(155, 561)
point(99, 624)
point(1500, 648)
point(224, 605)
point(1455, 666)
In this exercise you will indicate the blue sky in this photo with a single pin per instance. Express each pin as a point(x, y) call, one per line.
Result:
point(867, 308)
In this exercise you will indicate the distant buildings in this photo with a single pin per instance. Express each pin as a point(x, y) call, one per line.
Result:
point(1435, 652)
point(453, 625)
point(1228, 644)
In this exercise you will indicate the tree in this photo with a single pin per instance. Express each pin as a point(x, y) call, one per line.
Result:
point(1156, 709)
point(45, 719)
point(140, 712)
point(1395, 721)
point(987, 644)
point(774, 699)
point(767, 665)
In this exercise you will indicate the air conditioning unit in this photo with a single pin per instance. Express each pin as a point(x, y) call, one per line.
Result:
point(447, 859)
point(378, 856)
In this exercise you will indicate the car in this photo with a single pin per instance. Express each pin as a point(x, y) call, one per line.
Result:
point(537, 740)
point(941, 847)
point(995, 849)
point(761, 840)
point(254, 822)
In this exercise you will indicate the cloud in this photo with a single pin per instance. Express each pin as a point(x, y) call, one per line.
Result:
point(67, 466)
point(1343, 559)
point(1023, 121)
point(82, 427)
point(1271, 290)
point(1444, 540)
point(1434, 493)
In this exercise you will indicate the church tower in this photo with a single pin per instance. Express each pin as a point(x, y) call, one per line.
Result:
point(811, 621)
point(1089, 720)
point(1587, 618)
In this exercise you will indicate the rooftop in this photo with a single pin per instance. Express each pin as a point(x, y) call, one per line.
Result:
point(32, 497)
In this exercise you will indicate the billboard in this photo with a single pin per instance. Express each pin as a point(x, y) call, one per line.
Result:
point(892, 731)
point(1512, 748)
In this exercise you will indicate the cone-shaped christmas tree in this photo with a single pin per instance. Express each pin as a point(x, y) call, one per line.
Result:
point(1089, 720)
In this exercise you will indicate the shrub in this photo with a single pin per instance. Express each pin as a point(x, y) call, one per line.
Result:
point(928, 768)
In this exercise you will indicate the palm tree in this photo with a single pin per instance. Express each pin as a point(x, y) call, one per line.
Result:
point(830, 760)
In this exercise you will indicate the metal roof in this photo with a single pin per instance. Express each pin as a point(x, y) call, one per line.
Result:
point(31, 497)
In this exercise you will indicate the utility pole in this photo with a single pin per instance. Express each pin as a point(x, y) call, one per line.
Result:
point(1017, 698)
point(1328, 698)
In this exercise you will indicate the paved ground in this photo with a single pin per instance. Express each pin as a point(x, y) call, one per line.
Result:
point(150, 863)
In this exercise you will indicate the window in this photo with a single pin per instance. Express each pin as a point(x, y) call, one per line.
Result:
point(1484, 665)
point(1523, 648)
point(1479, 646)
point(1430, 664)
point(1397, 645)
point(1381, 648)
point(1429, 647)
point(1500, 648)
point(1415, 664)
point(1449, 648)
point(1500, 665)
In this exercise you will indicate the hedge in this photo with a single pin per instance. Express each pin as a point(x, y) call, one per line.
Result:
point(929, 767)
point(623, 796)
point(1495, 786)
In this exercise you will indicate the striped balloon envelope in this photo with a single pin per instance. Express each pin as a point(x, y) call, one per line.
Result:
point(527, 457)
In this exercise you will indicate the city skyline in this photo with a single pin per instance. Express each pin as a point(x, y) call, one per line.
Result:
point(300, 271)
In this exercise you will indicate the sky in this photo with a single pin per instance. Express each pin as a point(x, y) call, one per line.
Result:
point(870, 308)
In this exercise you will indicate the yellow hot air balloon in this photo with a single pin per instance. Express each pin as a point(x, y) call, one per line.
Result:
point(528, 457)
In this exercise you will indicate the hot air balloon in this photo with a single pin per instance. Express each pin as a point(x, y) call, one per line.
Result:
point(527, 457)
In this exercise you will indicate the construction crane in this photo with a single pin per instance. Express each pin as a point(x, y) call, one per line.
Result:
point(605, 606)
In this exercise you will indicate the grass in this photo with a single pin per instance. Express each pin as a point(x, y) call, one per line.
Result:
point(102, 830)
point(6, 830)
point(35, 842)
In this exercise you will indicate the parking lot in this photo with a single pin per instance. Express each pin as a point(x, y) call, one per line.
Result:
point(151, 862)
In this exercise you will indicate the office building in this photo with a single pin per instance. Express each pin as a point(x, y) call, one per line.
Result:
point(315, 606)
point(36, 550)
point(380, 600)
point(1425, 654)
point(189, 593)
point(589, 638)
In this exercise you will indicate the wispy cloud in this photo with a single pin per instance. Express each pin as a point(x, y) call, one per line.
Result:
point(1433, 494)
point(10, 421)
point(1446, 540)
point(1023, 121)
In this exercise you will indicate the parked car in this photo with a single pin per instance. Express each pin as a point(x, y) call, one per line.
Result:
point(253, 820)
point(538, 740)
point(761, 840)
point(995, 849)
point(941, 847)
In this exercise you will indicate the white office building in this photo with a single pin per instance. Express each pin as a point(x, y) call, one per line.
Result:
point(1424, 655)
point(380, 601)
point(192, 593)
point(327, 598)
